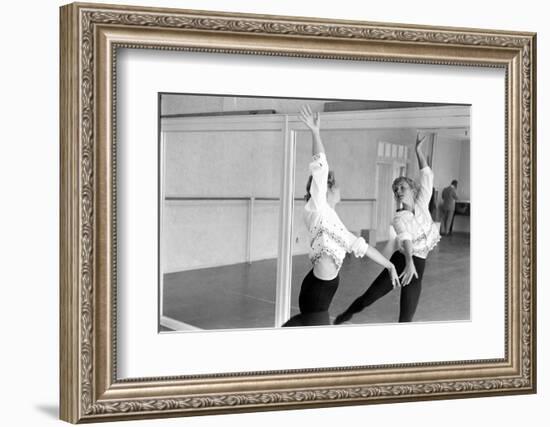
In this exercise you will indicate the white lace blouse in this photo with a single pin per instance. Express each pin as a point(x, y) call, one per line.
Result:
point(418, 227)
point(328, 235)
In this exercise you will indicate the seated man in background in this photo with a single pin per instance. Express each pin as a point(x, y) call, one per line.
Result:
point(449, 201)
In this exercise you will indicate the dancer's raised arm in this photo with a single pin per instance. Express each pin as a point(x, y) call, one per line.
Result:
point(426, 174)
point(422, 163)
point(313, 122)
point(318, 183)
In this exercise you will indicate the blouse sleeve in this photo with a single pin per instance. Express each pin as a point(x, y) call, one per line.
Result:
point(426, 185)
point(359, 246)
point(356, 245)
point(318, 190)
point(401, 230)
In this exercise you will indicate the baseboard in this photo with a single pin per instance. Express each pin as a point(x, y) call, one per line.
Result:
point(176, 325)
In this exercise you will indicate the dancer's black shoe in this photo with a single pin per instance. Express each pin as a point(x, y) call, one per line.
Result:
point(341, 318)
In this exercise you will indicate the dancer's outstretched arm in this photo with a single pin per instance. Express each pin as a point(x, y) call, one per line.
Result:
point(380, 259)
point(313, 122)
point(360, 248)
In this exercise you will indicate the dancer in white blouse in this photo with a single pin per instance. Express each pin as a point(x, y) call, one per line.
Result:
point(417, 235)
point(329, 238)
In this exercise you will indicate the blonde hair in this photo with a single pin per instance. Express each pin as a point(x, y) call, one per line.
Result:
point(411, 182)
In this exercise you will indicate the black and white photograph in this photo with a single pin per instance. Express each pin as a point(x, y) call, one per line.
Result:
point(290, 212)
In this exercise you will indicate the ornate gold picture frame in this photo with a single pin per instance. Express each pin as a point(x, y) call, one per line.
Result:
point(91, 391)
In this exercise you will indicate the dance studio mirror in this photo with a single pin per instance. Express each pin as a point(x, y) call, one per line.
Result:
point(246, 241)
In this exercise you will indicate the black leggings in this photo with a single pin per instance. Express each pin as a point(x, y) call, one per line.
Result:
point(314, 301)
point(410, 294)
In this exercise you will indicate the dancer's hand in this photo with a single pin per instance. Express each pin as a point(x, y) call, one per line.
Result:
point(419, 140)
point(394, 277)
point(408, 273)
point(312, 121)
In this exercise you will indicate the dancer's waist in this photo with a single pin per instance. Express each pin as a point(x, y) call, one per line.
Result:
point(325, 268)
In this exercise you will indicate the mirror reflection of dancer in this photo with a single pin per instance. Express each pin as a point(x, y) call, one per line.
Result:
point(329, 238)
point(417, 235)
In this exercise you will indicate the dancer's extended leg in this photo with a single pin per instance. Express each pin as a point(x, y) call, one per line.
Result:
point(380, 287)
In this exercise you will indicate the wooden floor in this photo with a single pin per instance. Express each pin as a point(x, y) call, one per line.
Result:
point(243, 296)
